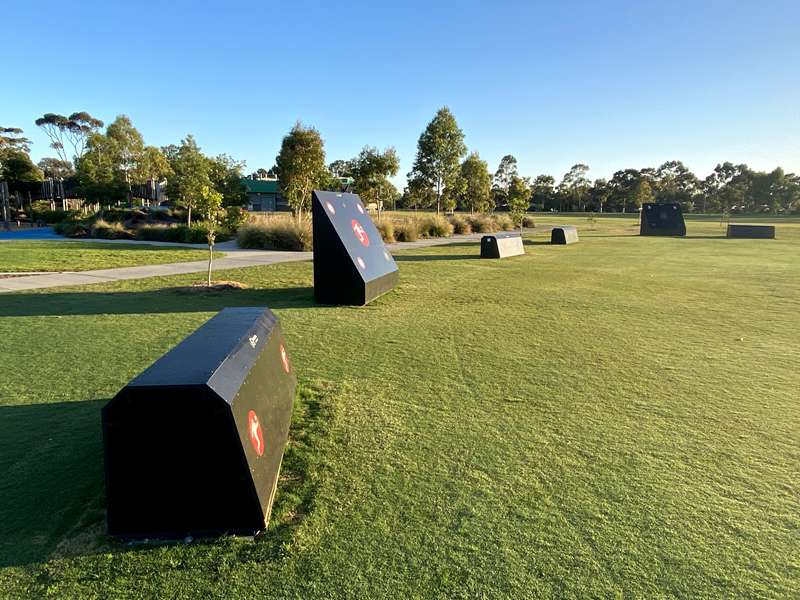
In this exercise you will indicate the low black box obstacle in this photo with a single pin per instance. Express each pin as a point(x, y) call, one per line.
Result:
point(742, 230)
point(501, 245)
point(662, 219)
point(351, 263)
point(566, 234)
point(193, 445)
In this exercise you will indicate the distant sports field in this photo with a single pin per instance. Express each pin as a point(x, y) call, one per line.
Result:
point(616, 417)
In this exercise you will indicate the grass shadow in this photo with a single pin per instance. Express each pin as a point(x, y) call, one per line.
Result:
point(167, 300)
point(53, 499)
point(52, 464)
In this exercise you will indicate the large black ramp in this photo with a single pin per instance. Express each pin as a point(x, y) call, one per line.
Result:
point(351, 263)
point(501, 245)
point(565, 234)
point(662, 219)
point(193, 445)
point(743, 230)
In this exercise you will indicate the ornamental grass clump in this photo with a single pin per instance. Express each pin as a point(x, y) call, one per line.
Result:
point(406, 231)
point(435, 226)
point(276, 235)
point(481, 223)
point(460, 225)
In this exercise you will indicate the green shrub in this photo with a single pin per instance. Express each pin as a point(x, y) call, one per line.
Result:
point(481, 224)
point(54, 216)
point(279, 235)
point(386, 229)
point(460, 225)
point(435, 226)
point(503, 222)
point(72, 229)
point(406, 231)
point(235, 217)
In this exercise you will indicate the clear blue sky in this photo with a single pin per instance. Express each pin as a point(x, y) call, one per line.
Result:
point(611, 84)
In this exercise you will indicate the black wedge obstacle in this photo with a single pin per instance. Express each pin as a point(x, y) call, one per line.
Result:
point(193, 446)
point(351, 263)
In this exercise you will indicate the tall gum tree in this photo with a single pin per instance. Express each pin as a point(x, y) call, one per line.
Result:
point(439, 152)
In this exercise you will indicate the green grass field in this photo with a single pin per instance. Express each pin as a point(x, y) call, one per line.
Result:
point(25, 256)
point(615, 418)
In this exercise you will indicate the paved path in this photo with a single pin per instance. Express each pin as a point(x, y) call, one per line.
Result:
point(234, 258)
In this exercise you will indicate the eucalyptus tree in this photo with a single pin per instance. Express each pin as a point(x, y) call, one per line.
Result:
point(301, 167)
point(74, 129)
point(438, 161)
point(371, 170)
point(476, 192)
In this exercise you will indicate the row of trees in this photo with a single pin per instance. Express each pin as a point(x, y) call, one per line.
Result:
point(443, 175)
point(443, 178)
point(104, 165)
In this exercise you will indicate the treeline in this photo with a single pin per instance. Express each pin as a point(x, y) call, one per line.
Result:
point(105, 164)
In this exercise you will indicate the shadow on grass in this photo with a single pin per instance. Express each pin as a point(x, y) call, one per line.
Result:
point(52, 494)
point(52, 465)
point(167, 300)
point(427, 257)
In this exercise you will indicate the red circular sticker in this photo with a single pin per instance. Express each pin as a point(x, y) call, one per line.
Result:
point(254, 431)
point(361, 262)
point(330, 208)
point(360, 232)
point(284, 358)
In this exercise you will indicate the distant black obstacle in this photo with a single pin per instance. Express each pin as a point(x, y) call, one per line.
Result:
point(501, 245)
point(662, 219)
point(741, 230)
point(193, 445)
point(351, 263)
point(566, 234)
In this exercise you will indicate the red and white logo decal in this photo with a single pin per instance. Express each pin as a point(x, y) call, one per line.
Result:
point(254, 431)
point(360, 208)
point(360, 232)
point(361, 262)
point(284, 358)
point(330, 208)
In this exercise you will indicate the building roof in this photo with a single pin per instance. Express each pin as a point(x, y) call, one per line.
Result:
point(263, 186)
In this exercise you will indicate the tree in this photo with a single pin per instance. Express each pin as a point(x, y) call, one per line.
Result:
point(152, 164)
point(371, 170)
point(519, 198)
point(599, 194)
point(191, 174)
point(543, 189)
point(574, 187)
point(11, 140)
point(624, 188)
point(301, 167)
point(477, 184)
point(506, 170)
point(210, 206)
point(98, 175)
point(56, 168)
point(74, 129)
point(18, 170)
point(439, 151)
point(128, 148)
point(342, 168)
point(674, 182)
point(226, 175)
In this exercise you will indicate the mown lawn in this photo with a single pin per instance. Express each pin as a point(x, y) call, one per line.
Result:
point(25, 256)
point(617, 417)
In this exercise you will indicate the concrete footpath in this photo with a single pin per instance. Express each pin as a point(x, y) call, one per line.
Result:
point(234, 258)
